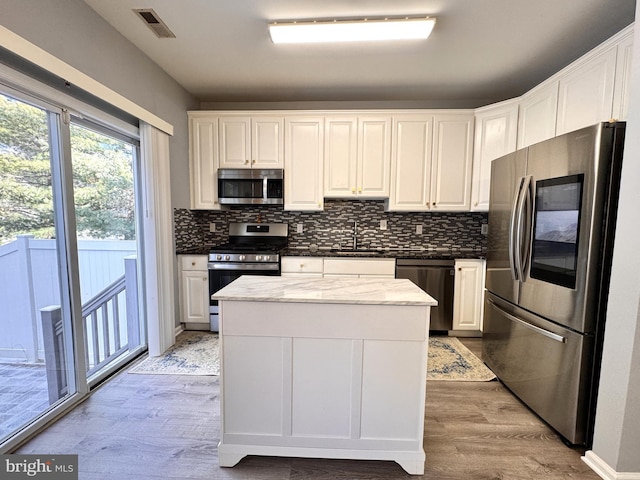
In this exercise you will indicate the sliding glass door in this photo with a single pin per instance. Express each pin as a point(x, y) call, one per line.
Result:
point(104, 173)
point(69, 258)
point(37, 367)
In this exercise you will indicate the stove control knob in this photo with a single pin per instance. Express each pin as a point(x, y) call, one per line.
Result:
point(242, 258)
point(266, 258)
point(218, 257)
point(227, 257)
point(258, 258)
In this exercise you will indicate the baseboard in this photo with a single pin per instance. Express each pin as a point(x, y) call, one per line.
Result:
point(179, 330)
point(604, 470)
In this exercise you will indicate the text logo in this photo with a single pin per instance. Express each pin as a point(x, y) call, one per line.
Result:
point(50, 467)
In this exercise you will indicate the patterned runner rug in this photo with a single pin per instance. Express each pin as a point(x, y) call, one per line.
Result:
point(196, 353)
point(449, 359)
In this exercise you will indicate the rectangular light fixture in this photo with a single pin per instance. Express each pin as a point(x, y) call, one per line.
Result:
point(365, 30)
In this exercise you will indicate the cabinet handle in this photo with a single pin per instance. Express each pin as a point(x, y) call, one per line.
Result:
point(359, 189)
point(434, 204)
point(205, 278)
point(353, 190)
point(253, 161)
point(246, 162)
point(302, 265)
point(193, 264)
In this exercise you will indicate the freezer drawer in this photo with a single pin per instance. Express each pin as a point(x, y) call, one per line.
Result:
point(548, 367)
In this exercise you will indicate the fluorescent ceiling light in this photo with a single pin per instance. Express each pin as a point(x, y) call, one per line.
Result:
point(352, 30)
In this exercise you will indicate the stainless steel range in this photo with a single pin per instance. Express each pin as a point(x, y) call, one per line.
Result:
point(253, 249)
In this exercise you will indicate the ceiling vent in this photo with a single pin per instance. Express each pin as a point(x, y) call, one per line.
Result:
point(153, 21)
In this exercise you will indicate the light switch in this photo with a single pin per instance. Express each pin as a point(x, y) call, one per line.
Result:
point(299, 228)
point(484, 229)
point(383, 224)
point(419, 229)
point(212, 227)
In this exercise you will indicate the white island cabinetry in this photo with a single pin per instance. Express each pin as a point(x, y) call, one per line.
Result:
point(310, 368)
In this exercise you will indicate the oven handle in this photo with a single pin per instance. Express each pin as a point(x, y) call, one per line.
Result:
point(244, 266)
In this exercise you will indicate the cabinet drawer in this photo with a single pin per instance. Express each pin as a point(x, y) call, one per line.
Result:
point(193, 262)
point(360, 266)
point(301, 265)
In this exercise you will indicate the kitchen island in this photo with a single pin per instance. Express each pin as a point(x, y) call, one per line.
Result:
point(323, 368)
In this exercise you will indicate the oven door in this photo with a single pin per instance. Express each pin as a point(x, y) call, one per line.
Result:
point(221, 275)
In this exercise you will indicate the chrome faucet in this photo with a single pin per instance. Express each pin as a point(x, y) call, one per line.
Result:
point(355, 235)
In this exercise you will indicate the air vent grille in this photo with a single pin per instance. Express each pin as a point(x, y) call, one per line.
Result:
point(153, 21)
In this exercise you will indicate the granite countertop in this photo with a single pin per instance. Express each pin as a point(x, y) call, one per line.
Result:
point(364, 291)
point(413, 253)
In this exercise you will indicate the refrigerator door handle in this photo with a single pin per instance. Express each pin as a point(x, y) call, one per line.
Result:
point(541, 331)
point(513, 245)
point(519, 214)
point(527, 227)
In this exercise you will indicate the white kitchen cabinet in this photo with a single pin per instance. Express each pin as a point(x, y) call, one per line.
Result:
point(431, 159)
point(194, 291)
point(357, 156)
point(623, 76)
point(301, 266)
point(411, 148)
point(585, 91)
point(360, 267)
point(203, 160)
point(304, 163)
point(468, 296)
point(537, 114)
point(255, 141)
point(451, 162)
point(496, 132)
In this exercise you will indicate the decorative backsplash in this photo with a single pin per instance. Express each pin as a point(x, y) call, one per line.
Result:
point(334, 227)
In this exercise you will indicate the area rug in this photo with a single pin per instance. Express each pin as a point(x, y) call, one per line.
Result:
point(195, 353)
point(449, 359)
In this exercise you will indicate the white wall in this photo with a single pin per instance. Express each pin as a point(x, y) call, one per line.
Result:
point(74, 33)
point(617, 429)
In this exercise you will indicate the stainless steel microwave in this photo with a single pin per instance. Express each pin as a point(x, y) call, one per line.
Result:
point(250, 186)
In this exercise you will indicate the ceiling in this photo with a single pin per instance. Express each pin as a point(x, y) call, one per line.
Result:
point(480, 51)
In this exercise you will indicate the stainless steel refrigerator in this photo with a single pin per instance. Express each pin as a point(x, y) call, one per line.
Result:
point(551, 227)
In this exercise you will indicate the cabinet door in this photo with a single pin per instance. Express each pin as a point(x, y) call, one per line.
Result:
point(303, 179)
point(235, 142)
point(451, 162)
point(341, 150)
point(411, 162)
point(203, 162)
point(468, 295)
point(537, 115)
point(496, 130)
point(623, 77)
point(195, 296)
point(374, 157)
point(585, 95)
point(267, 146)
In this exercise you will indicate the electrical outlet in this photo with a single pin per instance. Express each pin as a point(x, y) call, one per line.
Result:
point(419, 229)
point(212, 227)
point(484, 229)
point(299, 228)
point(383, 224)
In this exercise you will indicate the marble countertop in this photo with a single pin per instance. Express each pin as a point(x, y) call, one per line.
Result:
point(365, 291)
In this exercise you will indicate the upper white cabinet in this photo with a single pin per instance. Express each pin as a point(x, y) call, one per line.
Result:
point(304, 156)
point(357, 156)
point(585, 92)
point(255, 141)
point(496, 131)
point(412, 144)
point(623, 76)
point(451, 162)
point(537, 114)
point(431, 162)
point(203, 160)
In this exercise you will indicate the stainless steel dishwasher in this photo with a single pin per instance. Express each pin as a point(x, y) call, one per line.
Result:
point(436, 277)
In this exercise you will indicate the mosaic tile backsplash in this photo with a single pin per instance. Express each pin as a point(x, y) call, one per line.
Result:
point(334, 227)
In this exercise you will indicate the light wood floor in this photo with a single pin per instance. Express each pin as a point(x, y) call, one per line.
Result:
point(167, 427)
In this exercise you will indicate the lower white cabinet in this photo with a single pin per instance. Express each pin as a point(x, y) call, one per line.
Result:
point(301, 266)
point(468, 296)
point(360, 267)
point(194, 291)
